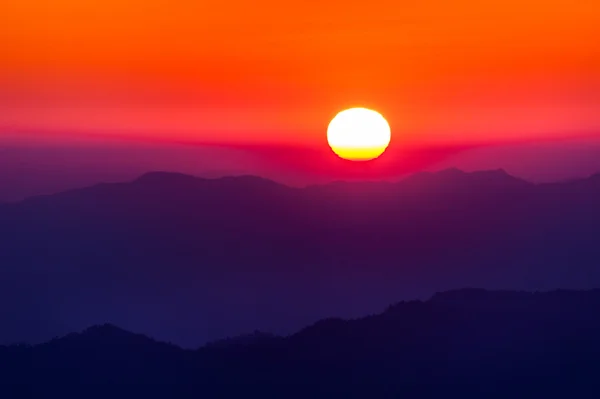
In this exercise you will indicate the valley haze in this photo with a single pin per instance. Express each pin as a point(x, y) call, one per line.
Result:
point(191, 260)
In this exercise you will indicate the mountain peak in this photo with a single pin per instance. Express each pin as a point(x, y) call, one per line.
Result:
point(495, 173)
point(159, 177)
point(105, 330)
point(451, 172)
point(249, 179)
point(106, 335)
point(162, 177)
point(594, 177)
point(454, 177)
point(467, 295)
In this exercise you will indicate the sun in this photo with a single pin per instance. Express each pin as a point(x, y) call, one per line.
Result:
point(358, 134)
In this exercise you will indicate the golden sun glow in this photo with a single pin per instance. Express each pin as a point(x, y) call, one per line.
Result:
point(358, 134)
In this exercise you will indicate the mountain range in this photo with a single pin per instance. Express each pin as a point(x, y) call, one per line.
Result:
point(192, 260)
point(468, 343)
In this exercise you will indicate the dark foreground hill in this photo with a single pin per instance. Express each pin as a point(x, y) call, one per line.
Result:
point(190, 260)
point(468, 343)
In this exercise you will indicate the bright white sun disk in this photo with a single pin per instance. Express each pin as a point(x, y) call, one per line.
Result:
point(358, 134)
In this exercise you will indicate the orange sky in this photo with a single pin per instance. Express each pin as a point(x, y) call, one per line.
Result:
point(277, 71)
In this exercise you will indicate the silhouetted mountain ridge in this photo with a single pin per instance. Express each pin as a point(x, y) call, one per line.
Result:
point(137, 253)
point(108, 332)
point(490, 301)
point(172, 178)
point(542, 344)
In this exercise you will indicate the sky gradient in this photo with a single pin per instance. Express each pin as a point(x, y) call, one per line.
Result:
point(448, 76)
point(277, 72)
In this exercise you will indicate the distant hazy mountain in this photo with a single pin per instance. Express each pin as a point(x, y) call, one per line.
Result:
point(190, 260)
point(468, 343)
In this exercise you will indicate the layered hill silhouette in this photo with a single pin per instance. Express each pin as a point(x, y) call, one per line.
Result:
point(192, 260)
point(468, 343)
